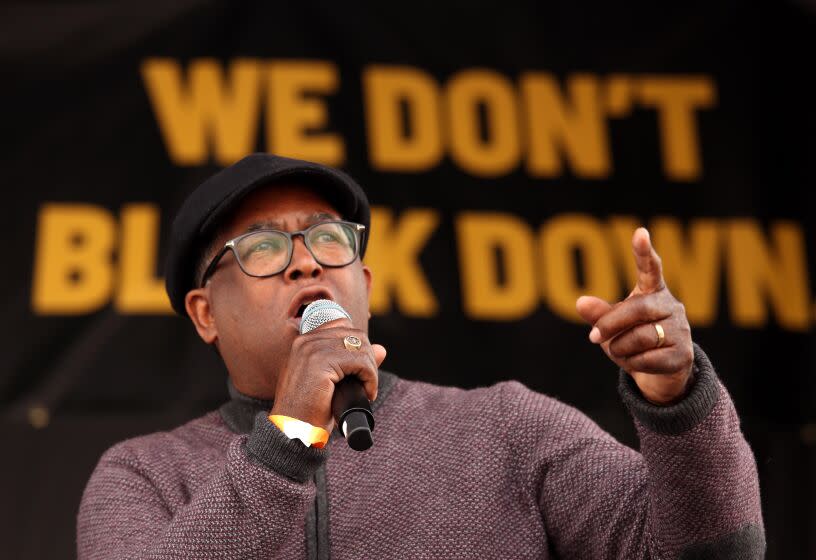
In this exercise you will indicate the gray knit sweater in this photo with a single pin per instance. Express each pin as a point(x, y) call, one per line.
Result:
point(500, 472)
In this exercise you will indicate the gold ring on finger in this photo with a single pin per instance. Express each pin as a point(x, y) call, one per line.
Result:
point(352, 343)
point(661, 335)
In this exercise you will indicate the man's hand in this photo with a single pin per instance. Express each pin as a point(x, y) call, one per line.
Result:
point(628, 334)
point(317, 361)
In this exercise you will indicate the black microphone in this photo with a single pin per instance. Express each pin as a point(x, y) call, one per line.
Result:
point(350, 406)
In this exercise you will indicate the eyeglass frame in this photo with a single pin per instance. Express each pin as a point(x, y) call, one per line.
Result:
point(359, 231)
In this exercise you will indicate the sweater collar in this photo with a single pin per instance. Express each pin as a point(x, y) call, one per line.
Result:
point(240, 411)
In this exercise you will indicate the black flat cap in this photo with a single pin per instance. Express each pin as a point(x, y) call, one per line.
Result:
point(207, 207)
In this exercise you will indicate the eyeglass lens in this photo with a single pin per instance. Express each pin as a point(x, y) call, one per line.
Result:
point(265, 253)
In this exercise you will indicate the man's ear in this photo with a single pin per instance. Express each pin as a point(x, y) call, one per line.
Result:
point(198, 306)
point(368, 279)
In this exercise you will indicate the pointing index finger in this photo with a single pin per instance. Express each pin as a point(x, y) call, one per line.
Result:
point(650, 269)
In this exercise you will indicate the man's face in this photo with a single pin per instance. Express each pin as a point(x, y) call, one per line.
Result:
point(253, 321)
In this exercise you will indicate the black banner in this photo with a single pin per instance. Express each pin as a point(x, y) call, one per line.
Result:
point(509, 153)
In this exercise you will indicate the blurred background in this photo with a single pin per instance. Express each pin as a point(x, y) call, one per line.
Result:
point(509, 151)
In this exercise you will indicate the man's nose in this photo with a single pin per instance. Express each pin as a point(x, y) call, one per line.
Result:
point(303, 264)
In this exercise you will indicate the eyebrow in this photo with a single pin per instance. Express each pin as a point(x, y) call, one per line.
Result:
point(275, 224)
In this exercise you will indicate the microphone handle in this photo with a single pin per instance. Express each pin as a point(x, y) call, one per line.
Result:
point(350, 407)
point(352, 413)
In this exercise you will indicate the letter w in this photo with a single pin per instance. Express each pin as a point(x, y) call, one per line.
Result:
point(209, 112)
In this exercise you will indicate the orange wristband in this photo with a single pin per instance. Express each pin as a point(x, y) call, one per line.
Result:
point(311, 436)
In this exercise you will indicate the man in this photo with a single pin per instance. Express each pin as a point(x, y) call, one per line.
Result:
point(499, 472)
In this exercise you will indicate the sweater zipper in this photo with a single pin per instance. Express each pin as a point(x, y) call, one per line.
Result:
point(317, 520)
point(322, 517)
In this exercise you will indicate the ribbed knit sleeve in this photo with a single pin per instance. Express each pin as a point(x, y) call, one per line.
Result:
point(692, 491)
point(166, 497)
point(703, 487)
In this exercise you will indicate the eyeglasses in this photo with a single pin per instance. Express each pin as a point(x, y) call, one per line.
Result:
point(266, 252)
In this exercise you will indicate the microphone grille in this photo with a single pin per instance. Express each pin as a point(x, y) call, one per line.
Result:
point(319, 312)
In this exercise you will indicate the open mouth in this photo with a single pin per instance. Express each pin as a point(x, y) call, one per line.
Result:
point(306, 302)
point(307, 297)
point(301, 309)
